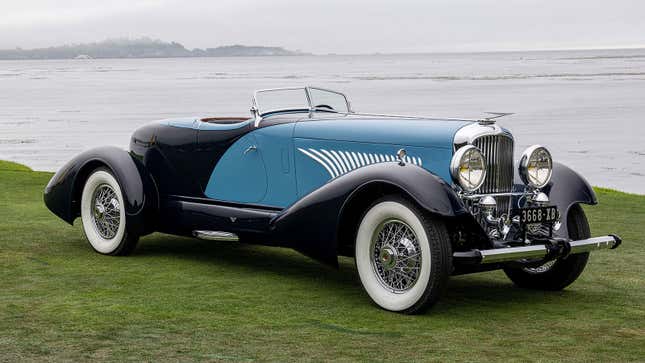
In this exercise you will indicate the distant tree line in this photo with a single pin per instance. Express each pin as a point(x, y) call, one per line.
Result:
point(139, 48)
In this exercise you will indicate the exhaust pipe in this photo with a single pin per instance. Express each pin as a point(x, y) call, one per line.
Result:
point(535, 252)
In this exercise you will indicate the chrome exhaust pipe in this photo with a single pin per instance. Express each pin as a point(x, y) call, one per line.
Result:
point(535, 252)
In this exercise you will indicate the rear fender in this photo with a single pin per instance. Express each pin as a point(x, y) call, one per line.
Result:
point(63, 192)
point(312, 224)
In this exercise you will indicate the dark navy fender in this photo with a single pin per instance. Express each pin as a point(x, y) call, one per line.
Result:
point(313, 225)
point(63, 192)
point(567, 188)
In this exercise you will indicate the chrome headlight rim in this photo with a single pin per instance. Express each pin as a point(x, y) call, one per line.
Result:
point(456, 162)
point(526, 159)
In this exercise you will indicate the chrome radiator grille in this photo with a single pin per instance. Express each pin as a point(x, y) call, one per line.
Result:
point(498, 151)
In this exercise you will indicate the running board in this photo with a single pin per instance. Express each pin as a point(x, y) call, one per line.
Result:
point(216, 236)
point(508, 254)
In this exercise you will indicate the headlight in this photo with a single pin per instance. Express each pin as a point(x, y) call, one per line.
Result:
point(468, 168)
point(536, 166)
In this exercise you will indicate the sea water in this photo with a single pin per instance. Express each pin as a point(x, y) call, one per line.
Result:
point(587, 107)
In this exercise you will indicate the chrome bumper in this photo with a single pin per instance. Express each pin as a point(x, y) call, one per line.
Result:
point(559, 248)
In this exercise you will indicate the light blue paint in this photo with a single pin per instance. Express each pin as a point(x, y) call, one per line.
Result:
point(277, 173)
point(410, 132)
point(240, 175)
point(276, 144)
point(312, 175)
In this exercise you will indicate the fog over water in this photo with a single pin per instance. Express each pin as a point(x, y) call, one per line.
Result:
point(588, 107)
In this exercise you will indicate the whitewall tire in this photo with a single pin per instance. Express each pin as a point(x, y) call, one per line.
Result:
point(403, 256)
point(103, 215)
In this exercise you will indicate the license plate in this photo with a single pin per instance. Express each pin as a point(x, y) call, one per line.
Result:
point(535, 215)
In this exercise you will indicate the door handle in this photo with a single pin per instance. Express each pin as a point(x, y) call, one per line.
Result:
point(250, 148)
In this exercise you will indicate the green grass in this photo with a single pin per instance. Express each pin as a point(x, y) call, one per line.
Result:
point(11, 166)
point(183, 299)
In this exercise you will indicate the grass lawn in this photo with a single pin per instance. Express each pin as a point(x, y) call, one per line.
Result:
point(184, 299)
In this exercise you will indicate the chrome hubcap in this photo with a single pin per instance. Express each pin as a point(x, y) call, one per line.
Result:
point(396, 255)
point(106, 211)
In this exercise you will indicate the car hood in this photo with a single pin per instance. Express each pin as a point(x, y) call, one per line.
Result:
point(418, 132)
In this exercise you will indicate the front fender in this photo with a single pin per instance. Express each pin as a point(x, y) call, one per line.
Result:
point(63, 192)
point(311, 224)
point(567, 188)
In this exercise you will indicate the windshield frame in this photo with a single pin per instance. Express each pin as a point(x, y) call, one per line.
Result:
point(259, 114)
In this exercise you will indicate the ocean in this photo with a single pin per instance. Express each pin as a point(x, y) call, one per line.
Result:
point(586, 106)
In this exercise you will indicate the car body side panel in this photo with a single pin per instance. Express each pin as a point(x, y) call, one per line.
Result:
point(276, 145)
point(318, 161)
point(240, 175)
point(257, 168)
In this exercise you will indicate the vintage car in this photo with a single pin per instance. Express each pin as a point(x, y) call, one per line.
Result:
point(413, 199)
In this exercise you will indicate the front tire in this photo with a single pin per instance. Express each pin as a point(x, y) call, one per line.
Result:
point(560, 273)
point(403, 256)
point(103, 215)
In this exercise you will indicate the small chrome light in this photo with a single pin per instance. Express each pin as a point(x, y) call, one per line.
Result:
point(536, 166)
point(541, 199)
point(488, 204)
point(468, 168)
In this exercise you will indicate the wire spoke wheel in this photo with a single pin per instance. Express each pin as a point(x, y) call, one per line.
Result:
point(395, 255)
point(106, 211)
point(103, 214)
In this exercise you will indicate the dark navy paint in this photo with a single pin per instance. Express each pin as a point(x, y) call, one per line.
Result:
point(62, 193)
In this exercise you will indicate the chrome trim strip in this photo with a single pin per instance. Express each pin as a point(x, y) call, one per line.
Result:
point(505, 194)
point(216, 236)
point(469, 133)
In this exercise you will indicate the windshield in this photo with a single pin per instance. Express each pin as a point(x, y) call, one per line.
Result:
point(303, 99)
point(323, 99)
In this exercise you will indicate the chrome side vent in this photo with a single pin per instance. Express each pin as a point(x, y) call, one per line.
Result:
point(498, 151)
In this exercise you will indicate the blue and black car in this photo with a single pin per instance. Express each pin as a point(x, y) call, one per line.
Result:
point(413, 199)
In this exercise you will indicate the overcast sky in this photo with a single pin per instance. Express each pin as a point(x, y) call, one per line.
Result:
point(341, 26)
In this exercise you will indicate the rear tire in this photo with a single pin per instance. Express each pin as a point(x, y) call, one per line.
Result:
point(403, 256)
point(558, 274)
point(104, 221)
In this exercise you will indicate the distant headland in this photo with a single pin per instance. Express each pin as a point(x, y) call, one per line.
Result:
point(140, 48)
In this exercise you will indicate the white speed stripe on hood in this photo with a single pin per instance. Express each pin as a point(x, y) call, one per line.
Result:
point(338, 162)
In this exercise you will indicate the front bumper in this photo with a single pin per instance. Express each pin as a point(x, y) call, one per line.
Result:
point(551, 249)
